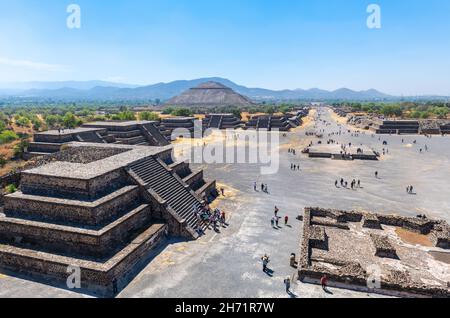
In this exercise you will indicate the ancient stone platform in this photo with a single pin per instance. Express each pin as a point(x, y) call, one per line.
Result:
point(336, 152)
point(143, 133)
point(101, 208)
point(352, 247)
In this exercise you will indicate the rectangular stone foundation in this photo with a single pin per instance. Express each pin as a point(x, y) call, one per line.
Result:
point(354, 250)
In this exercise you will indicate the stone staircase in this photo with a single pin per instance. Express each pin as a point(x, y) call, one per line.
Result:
point(153, 135)
point(157, 177)
point(215, 121)
point(264, 123)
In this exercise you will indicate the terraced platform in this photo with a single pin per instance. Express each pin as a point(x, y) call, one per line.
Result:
point(100, 213)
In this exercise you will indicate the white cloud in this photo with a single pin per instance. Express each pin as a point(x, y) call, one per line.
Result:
point(32, 65)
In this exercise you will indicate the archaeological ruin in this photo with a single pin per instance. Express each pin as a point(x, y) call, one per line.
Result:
point(143, 133)
point(222, 121)
point(357, 250)
point(101, 208)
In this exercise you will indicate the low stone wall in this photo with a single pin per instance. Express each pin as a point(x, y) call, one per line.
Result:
point(371, 221)
point(352, 273)
point(383, 248)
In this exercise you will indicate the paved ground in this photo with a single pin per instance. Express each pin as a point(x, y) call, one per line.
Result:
point(228, 264)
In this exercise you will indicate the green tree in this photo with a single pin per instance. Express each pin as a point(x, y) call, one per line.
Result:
point(70, 120)
point(150, 116)
point(182, 112)
point(125, 115)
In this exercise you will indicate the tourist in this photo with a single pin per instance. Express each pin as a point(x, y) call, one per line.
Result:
point(254, 186)
point(265, 261)
point(324, 282)
point(287, 283)
point(286, 220)
point(276, 210)
point(222, 218)
point(376, 174)
point(336, 183)
point(359, 183)
point(277, 219)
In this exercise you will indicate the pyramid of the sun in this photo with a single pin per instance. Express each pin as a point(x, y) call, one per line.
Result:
point(210, 94)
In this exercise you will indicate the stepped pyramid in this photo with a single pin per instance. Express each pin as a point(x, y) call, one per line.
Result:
point(209, 94)
point(101, 208)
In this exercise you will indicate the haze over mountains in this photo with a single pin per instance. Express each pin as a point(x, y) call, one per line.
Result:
point(102, 90)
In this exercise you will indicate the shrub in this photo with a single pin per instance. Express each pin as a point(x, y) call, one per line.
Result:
point(150, 116)
point(3, 161)
point(182, 112)
point(8, 136)
point(11, 188)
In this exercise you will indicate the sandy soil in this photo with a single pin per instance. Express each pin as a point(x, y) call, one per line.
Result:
point(413, 238)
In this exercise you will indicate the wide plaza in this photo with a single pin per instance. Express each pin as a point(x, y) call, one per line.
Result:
point(228, 263)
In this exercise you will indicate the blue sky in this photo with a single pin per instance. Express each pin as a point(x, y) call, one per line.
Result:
point(273, 44)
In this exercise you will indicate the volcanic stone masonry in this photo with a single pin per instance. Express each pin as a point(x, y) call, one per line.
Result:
point(380, 125)
point(101, 208)
point(144, 133)
point(222, 121)
point(346, 245)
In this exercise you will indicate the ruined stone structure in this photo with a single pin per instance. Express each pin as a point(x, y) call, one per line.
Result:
point(346, 245)
point(295, 118)
point(399, 127)
point(269, 122)
point(222, 121)
point(144, 133)
point(101, 208)
point(190, 124)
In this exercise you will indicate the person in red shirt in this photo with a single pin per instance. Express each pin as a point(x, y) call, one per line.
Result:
point(324, 282)
point(286, 220)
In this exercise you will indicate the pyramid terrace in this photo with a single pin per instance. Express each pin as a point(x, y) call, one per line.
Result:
point(101, 208)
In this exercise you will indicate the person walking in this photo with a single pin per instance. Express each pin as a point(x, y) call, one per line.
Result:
point(286, 220)
point(265, 262)
point(324, 282)
point(276, 210)
point(287, 283)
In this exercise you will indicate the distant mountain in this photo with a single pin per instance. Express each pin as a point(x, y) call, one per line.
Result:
point(99, 90)
point(81, 85)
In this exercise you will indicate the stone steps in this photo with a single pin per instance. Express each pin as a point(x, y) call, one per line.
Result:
point(155, 134)
point(132, 140)
point(168, 187)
